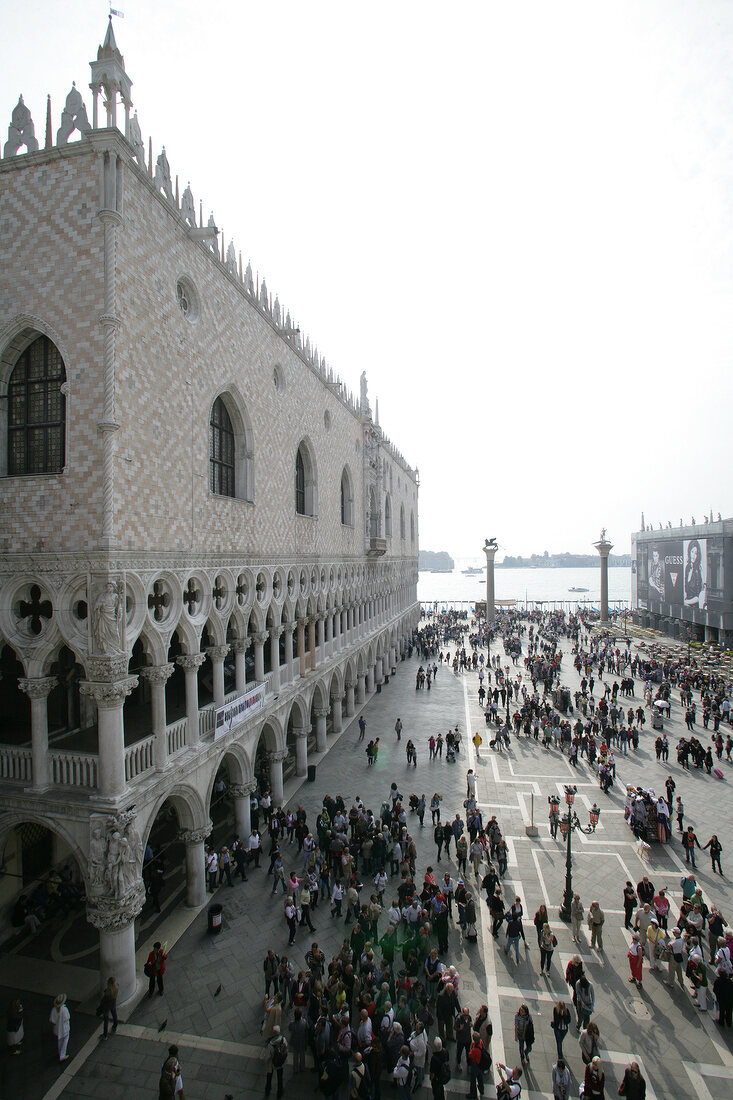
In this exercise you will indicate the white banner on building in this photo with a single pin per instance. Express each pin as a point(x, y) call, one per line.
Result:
point(234, 713)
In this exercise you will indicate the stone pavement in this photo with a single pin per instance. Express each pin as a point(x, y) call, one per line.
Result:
point(681, 1050)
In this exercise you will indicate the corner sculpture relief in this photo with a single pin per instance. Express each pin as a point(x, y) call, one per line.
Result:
point(116, 890)
point(108, 618)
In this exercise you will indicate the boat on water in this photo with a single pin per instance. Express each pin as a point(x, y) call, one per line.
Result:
point(473, 570)
point(578, 589)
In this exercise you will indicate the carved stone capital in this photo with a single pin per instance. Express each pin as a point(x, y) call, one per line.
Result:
point(276, 756)
point(38, 688)
point(300, 731)
point(350, 684)
point(289, 625)
point(277, 631)
point(217, 652)
point(238, 790)
point(195, 836)
point(157, 674)
point(260, 637)
point(191, 661)
point(106, 668)
point(241, 645)
point(321, 712)
point(108, 696)
point(336, 699)
point(110, 915)
point(302, 623)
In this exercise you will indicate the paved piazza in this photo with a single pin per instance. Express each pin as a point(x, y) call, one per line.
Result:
point(681, 1050)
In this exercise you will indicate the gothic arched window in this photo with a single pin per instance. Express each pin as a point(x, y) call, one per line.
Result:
point(347, 499)
point(221, 451)
point(37, 411)
point(306, 493)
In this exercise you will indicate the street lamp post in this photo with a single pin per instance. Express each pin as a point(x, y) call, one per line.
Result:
point(568, 824)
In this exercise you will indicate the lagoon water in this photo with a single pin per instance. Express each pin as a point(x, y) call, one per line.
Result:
point(532, 585)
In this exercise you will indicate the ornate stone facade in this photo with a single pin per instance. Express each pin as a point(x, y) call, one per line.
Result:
point(142, 569)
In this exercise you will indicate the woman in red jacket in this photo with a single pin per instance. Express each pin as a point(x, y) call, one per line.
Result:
point(155, 968)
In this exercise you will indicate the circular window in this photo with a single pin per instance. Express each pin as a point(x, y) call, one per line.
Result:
point(327, 420)
point(278, 379)
point(188, 299)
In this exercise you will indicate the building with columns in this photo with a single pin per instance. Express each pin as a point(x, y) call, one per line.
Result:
point(208, 554)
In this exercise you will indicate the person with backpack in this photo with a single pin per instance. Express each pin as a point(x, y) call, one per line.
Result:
point(360, 1082)
point(510, 1085)
point(276, 1055)
point(479, 1062)
point(439, 1069)
point(403, 1074)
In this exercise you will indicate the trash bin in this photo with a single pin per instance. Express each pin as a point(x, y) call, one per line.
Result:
point(311, 773)
point(214, 915)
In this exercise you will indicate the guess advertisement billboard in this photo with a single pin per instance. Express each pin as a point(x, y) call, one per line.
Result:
point(677, 573)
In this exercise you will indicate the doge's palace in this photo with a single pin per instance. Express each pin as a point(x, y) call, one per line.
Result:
point(208, 547)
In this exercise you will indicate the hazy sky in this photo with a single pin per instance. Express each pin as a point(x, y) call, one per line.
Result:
point(515, 216)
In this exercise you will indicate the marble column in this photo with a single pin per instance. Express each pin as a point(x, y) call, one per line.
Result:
point(336, 717)
point(313, 636)
point(216, 654)
point(604, 548)
point(275, 635)
point(289, 628)
point(322, 652)
point(350, 684)
point(241, 793)
point(275, 760)
point(240, 647)
point(110, 699)
point(195, 867)
point(300, 733)
point(344, 627)
point(191, 663)
point(259, 640)
point(157, 676)
point(321, 741)
point(490, 551)
point(329, 633)
point(337, 639)
point(361, 688)
point(370, 680)
point(115, 922)
point(302, 623)
point(38, 691)
point(379, 673)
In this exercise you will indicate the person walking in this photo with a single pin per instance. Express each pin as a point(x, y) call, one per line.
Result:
point(398, 728)
point(560, 1025)
point(560, 1080)
point(585, 1001)
point(689, 842)
point(595, 1081)
point(633, 1085)
point(362, 727)
point(596, 919)
point(60, 1019)
point(155, 968)
point(524, 1032)
point(108, 1006)
point(576, 916)
point(636, 955)
point(715, 849)
point(588, 1042)
point(548, 943)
